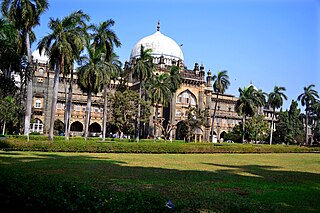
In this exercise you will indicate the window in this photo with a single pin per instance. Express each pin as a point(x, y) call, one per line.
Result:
point(77, 108)
point(83, 109)
point(187, 97)
point(178, 113)
point(38, 103)
point(40, 71)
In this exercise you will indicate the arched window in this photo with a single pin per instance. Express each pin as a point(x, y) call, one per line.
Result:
point(187, 97)
point(37, 103)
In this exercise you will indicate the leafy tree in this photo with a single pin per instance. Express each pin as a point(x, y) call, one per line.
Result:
point(143, 71)
point(308, 98)
point(8, 112)
point(195, 119)
point(124, 108)
point(25, 15)
point(289, 127)
point(220, 85)
point(276, 101)
point(61, 45)
point(10, 48)
point(90, 78)
point(247, 105)
point(257, 128)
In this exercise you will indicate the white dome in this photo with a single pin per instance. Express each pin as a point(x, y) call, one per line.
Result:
point(41, 58)
point(160, 45)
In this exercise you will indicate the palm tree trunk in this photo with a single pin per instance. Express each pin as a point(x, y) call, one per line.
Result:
point(4, 127)
point(88, 113)
point(54, 102)
point(104, 120)
point(139, 112)
point(68, 108)
point(27, 116)
point(307, 116)
point(213, 117)
point(272, 121)
point(243, 126)
point(173, 111)
point(155, 124)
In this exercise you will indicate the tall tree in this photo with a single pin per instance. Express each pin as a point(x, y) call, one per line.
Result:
point(104, 40)
point(220, 85)
point(275, 100)
point(90, 78)
point(142, 71)
point(112, 71)
point(25, 15)
point(160, 92)
point(247, 104)
point(61, 45)
point(308, 98)
point(175, 82)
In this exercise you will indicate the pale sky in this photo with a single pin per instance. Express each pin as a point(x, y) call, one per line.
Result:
point(268, 42)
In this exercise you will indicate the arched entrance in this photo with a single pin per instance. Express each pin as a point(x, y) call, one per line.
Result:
point(222, 136)
point(76, 128)
point(95, 129)
point(181, 131)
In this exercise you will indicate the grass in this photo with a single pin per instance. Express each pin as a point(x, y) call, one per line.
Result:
point(276, 182)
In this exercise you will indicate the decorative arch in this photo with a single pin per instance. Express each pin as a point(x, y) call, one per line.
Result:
point(76, 127)
point(187, 97)
point(95, 127)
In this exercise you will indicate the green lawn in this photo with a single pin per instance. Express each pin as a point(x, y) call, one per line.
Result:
point(193, 182)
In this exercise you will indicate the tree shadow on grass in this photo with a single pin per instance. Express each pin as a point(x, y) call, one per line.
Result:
point(226, 188)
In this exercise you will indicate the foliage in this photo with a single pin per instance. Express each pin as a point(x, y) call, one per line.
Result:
point(220, 85)
point(9, 111)
point(142, 71)
point(192, 125)
point(275, 100)
point(78, 144)
point(257, 128)
point(308, 98)
point(248, 103)
point(289, 127)
point(124, 109)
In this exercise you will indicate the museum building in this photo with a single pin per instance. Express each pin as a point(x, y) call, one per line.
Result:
point(196, 91)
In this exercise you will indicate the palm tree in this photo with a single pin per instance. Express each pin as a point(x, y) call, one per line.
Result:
point(160, 93)
point(104, 40)
point(275, 100)
point(308, 98)
point(90, 78)
point(143, 71)
point(220, 85)
point(247, 104)
point(25, 15)
point(61, 46)
point(175, 82)
point(112, 71)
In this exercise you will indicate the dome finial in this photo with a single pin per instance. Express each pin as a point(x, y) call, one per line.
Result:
point(158, 27)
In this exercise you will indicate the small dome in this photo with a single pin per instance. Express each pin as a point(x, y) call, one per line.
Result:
point(160, 45)
point(41, 58)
